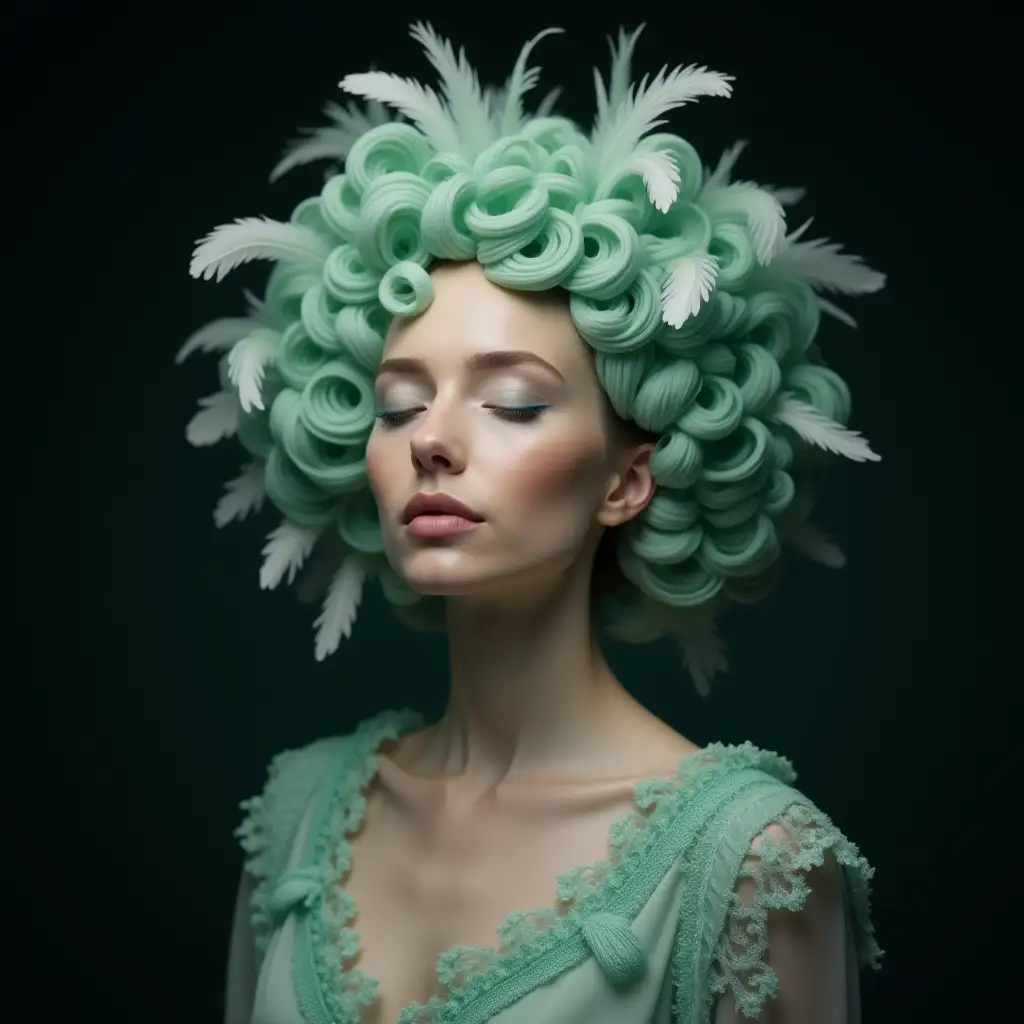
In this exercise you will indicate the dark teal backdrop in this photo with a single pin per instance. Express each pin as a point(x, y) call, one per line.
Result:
point(154, 679)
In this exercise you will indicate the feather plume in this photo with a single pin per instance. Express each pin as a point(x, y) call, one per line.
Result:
point(520, 82)
point(460, 88)
point(419, 103)
point(787, 196)
point(547, 104)
point(247, 365)
point(216, 419)
point(616, 135)
point(284, 553)
point(703, 652)
point(312, 583)
point(811, 542)
point(619, 75)
point(834, 311)
point(661, 176)
point(494, 97)
point(340, 606)
point(242, 495)
point(690, 282)
point(256, 238)
point(763, 213)
point(722, 174)
point(217, 336)
point(824, 266)
point(333, 141)
point(256, 306)
point(817, 429)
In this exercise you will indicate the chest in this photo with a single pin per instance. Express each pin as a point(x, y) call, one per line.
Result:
point(423, 885)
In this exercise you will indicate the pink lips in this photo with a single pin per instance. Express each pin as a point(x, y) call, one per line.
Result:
point(440, 526)
point(439, 515)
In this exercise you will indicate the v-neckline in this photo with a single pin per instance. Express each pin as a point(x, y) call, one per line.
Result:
point(335, 943)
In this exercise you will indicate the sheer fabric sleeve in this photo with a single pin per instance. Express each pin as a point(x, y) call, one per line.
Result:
point(243, 960)
point(798, 928)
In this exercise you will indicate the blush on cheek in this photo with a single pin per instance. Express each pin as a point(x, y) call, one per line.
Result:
point(375, 474)
point(558, 471)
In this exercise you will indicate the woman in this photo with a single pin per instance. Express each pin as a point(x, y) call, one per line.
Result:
point(421, 397)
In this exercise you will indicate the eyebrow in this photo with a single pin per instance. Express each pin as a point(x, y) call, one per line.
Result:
point(500, 360)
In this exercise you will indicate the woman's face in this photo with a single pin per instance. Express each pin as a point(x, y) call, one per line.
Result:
point(490, 398)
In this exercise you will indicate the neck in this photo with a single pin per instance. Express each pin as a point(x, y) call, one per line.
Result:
point(531, 693)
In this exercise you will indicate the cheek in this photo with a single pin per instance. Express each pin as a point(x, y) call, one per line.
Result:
point(377, 473)
point(566, 473)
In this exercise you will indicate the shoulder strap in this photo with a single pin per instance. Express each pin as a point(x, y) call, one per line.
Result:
point(272, 818)
point(718, 864)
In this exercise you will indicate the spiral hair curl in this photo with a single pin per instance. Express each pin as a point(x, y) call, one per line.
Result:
point(701, 310)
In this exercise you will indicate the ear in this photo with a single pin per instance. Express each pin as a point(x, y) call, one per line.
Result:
point(630, 489)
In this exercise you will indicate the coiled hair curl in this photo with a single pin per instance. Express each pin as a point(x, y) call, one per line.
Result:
point(701, 310)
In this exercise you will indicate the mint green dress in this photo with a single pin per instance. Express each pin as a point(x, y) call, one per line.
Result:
point(702, 912)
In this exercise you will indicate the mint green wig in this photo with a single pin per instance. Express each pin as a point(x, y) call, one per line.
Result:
point(701, 310)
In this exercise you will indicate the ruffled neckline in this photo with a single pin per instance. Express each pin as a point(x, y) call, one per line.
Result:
point(466, 972)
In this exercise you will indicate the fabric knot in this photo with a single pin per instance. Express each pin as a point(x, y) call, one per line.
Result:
point(297, 889)
point(616, 948)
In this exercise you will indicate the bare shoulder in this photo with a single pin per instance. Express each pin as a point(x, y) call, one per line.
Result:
point(654, 746)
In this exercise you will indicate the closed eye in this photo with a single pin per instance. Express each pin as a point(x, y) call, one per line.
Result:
point(513, 413)
point(517, 413)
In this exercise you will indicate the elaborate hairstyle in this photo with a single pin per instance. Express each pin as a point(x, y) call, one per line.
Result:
point(701, 309)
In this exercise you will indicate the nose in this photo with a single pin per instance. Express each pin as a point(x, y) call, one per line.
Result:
point(435, 449)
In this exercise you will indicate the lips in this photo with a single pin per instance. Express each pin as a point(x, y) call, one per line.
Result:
point(438, 505)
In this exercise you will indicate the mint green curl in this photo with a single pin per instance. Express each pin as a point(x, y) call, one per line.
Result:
point(531, 210)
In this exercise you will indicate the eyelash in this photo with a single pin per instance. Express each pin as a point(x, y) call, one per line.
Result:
point(512, 413)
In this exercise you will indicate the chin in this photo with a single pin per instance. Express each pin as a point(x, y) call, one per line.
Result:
point(444, 572)
point(451, 572)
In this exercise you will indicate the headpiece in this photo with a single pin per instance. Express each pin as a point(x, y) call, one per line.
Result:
point(701, 309)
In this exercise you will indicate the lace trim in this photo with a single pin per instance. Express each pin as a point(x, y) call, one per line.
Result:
point(464, 973)
point(777, 869)
point(334, 942)
point(270, 822)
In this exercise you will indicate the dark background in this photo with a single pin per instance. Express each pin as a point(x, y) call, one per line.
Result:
point(156, 679)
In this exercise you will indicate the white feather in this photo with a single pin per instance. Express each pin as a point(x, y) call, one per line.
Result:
point(216, 420)
point(661, 176)
point(817, 429)
point(836, 313)
point(811, 542)
point(824, 266)
point(255, 305)
point(256, 238)
point(722, 174)
point(494, 97)
point(548, 101)
point(247, 366)
point(340, 606)
point(242, 495)
point(520, 82)
point(286, 550)
point(460, 87)
point(417, 102)
point(763, 212)
point(689, 283)
point(703, 652)
point(642, 110)
point(786, 196)
point(619, 75)
point(333, 141)
point(217, 335)
point(328, 143)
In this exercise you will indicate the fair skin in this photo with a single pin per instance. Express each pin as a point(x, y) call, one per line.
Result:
point(540, 747)
point(531, 695)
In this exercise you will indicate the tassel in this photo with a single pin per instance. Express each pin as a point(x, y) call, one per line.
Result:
point(616, 948)
point(301, 887)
